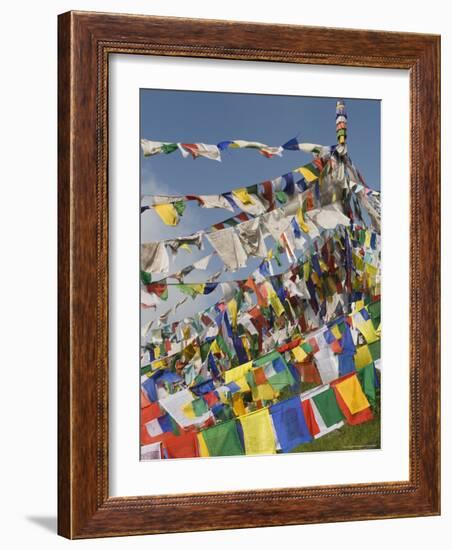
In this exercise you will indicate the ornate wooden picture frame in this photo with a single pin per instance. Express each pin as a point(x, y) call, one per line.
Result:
point(86, 40)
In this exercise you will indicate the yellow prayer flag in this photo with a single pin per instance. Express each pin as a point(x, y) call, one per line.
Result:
point(243, 195)
point(185, 247)
point(232, 375)
point(274, 300)
point(167, 213)
point(362, 357)
point(358, 261)
point(300, 219)
point(160, 363)
point(359, 304)
point(258, 433)
point(199, 288)
point(237, 405)
point(352, 394)
point(323, 265)
point(263, 392)
point(336, 332)
point(232, 310)
point(188, 411)
point(367, 239)
point(315, 278)
point(307, 173)
point(299, 354)
point(202, 447)
point(367, 330)
point(246, 346)
point(242, 384)
point(215, 348)
point(371, 270)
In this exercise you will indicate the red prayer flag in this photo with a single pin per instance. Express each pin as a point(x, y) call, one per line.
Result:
point(259, 375)
point(352, 419)
point(184, 445)
point(309, 416)
point(150, 412)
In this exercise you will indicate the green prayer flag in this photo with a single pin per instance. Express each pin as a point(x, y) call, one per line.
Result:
point(146, 278)
point(374, 310)
point(306, 347)
point(169, 148)
point(205, 348)
point(223, 346)
point(223, 439)
point(187, 289)
point(375, 350)
point(281, 196)
point(366, 377)
point(224, 413)
point(267, 358)
point(146, 369)
point(250, 379)
point(281, 380)
point(328, 407)
point(199, 406)
point(179, 207)
point(174, 426)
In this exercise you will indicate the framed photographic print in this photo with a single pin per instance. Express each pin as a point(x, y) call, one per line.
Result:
point(248, 275)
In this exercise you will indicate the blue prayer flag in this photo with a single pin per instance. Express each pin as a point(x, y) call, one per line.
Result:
point(165, 423)
point(290, 424)
point(346, 364)
point(291, 145)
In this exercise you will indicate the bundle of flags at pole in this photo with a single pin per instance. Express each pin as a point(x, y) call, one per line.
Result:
point(287, 354)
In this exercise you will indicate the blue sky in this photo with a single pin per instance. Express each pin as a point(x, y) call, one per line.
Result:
point(211, 117)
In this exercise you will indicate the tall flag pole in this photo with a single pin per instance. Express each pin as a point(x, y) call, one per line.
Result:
point(341, 122)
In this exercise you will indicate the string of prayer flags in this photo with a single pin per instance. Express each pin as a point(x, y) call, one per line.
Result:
point(196, 150)
point(341, 122)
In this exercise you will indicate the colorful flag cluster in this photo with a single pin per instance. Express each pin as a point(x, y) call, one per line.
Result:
point(280, 359)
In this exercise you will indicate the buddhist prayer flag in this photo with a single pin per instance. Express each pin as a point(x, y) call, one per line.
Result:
point(368, 380)
point(328, 408)
point(167, 213)
point(363, 356)
point(290, 425)
point(352, 399)
point(223, 439)
point(352, 394)
point(258, 433)
point(184, 445)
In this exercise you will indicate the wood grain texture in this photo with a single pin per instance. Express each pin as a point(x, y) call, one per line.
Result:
point(85, 42)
